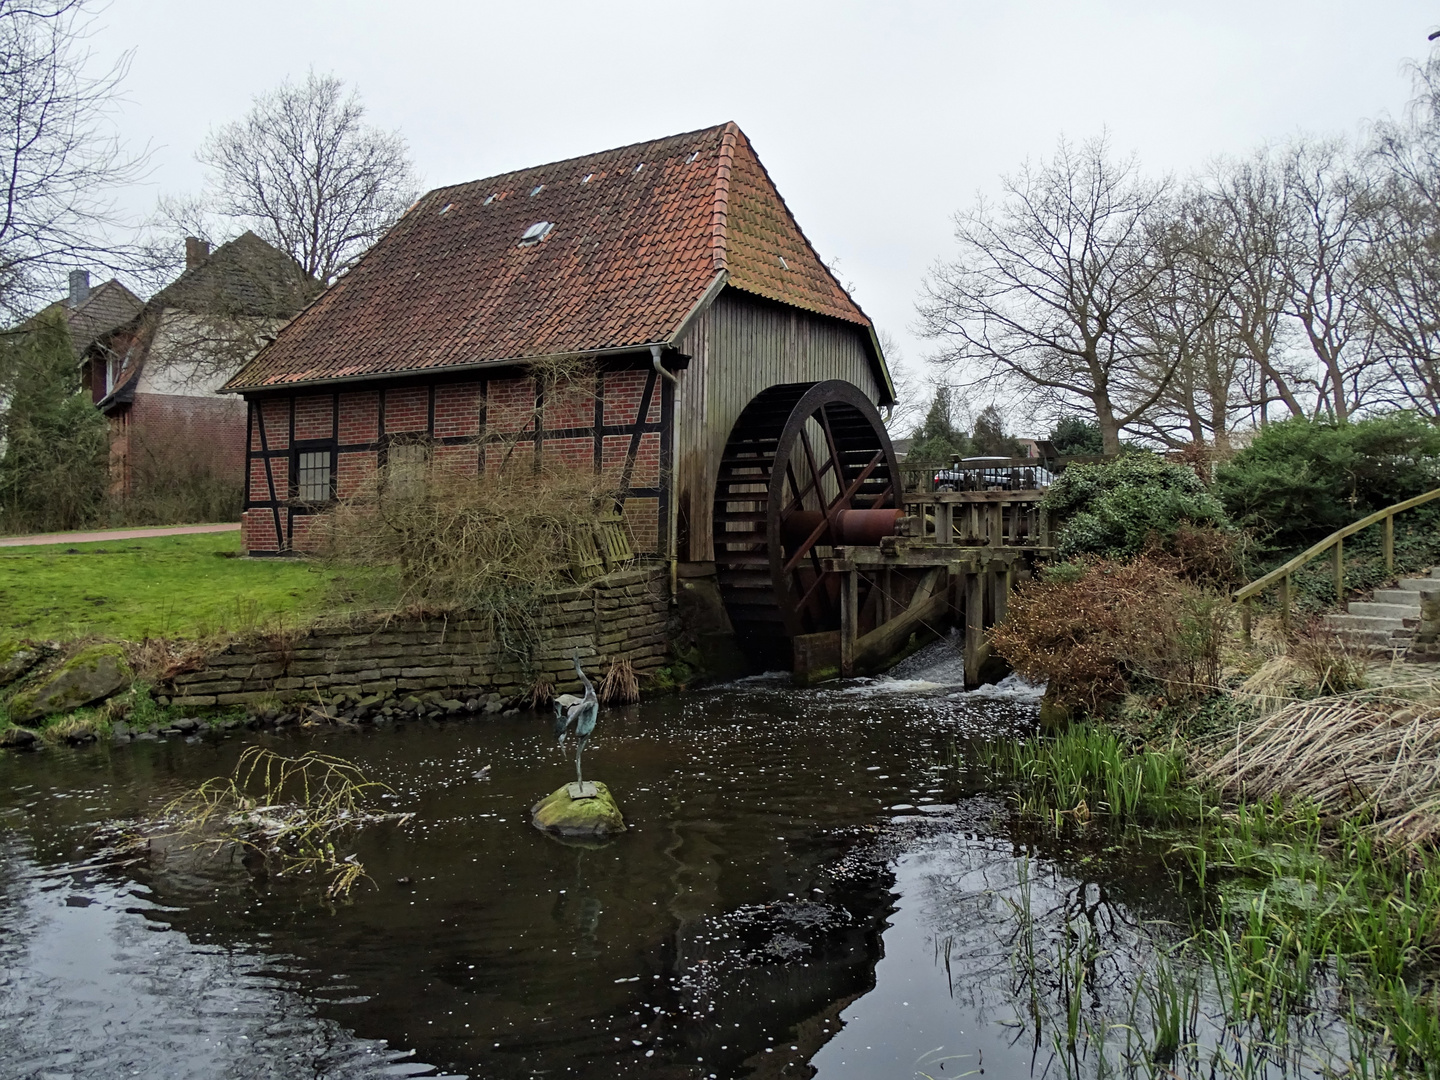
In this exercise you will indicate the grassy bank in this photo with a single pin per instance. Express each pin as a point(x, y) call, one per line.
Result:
point(1314, 915)
point(191, 586)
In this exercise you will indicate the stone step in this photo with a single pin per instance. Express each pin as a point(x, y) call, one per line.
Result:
point(1410, 598)
point(1415, 584)
point(1366, 622)
point(1386, 610)
point(1381, 639)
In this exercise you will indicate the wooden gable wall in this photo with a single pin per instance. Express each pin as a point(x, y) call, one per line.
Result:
point(740, 346)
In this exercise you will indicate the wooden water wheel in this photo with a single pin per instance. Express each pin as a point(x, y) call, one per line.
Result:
point(808, 467)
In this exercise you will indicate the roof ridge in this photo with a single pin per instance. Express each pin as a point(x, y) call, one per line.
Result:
point(573, 159)
point(720, 212)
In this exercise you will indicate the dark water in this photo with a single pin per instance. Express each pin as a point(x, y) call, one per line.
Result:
point(809, 887)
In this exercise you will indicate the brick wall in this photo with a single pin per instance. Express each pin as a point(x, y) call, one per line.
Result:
point(471, 424)
point(169, 436)
point(625, 615)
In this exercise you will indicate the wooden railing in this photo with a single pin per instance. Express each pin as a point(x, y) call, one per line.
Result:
point(1334, 543)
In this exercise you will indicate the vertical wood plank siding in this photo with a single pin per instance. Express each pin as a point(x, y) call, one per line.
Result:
point(742, 345)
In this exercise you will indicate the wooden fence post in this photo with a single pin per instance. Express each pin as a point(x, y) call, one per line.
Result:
point(1285, 603)
point(1387, 542)
point(1245, 617)
point(1339, 571)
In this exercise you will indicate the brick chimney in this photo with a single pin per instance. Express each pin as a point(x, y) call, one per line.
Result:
point(79, 287)
point(196, 251)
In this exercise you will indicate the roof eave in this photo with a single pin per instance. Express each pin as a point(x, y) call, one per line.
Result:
point(446, 369)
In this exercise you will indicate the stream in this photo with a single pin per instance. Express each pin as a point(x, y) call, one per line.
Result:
point(813, 884)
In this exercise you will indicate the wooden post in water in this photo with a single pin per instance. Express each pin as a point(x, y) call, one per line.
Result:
point(1339, 564)
point(1387, 542)
point(974, 626)
point(849, 619)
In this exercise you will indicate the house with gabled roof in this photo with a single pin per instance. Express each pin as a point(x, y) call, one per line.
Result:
point(673, 266)
point(155, 375)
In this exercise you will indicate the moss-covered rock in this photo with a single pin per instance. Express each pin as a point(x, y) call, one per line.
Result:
point(90, 675)
point(590, 819)
point(16, 658)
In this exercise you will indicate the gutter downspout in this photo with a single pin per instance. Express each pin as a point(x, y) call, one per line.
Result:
point(673, 554)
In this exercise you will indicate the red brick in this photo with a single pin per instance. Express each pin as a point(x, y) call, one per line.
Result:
point(352, 470)
point(359, 417)
point(578, 454)
point(457, 410)
point(509, 406)
point(315, 417)
point(407, 409)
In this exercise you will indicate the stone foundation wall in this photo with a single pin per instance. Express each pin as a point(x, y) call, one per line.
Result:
point(622, 616)
point(1425, 646)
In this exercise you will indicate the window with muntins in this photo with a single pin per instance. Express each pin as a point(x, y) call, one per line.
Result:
point(314, 476)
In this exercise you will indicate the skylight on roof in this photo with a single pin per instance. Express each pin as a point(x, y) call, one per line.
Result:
point(536, 190)
point(693, 155)
point(783, 264)
point(587, 177)
point(535, 233)
point(489, 199)
point(447, 208)
point(640, 166)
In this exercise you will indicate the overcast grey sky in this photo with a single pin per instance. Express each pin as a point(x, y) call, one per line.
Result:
point(877, 121)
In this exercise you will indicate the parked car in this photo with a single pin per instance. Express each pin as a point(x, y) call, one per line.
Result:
point(992, 474)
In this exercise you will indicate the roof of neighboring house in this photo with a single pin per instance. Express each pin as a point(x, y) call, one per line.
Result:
point(638, 237)
point(242, 279)
point(108, 306)
point(245, 276)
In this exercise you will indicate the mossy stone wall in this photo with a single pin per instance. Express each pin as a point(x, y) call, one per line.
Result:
point(622, 616)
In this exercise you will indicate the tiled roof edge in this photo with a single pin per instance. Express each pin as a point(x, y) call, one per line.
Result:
point(720, 215)
point(796, 226)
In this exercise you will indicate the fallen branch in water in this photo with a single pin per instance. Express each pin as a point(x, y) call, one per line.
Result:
point(292, 812)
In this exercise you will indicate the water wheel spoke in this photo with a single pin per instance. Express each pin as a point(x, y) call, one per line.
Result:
point(819, 530)
point(782, 527)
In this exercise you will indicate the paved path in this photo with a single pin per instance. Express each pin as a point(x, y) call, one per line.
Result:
point(115, 534)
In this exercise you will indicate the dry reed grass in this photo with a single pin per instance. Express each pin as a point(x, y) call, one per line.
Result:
point(1372, 754)
point(621, 686)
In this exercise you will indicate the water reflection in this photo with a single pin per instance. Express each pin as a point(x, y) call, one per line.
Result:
point(766, 914)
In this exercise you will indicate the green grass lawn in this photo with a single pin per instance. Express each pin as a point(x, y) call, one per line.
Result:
point(165, 586)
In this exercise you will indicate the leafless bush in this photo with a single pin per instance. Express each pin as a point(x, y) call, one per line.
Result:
point(488, 545)
point(1099, 629)
point(1335, 667)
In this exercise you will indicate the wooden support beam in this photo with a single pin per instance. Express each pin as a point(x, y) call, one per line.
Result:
point(849, 620)
point(1387, 543)
point(1339, 567)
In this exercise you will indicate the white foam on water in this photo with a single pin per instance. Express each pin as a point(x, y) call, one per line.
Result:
point(1010, 688)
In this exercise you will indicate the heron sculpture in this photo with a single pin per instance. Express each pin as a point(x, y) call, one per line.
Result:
point(581, 717)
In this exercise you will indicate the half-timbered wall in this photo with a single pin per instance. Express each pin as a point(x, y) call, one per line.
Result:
point(612, 423)
point(739, 347)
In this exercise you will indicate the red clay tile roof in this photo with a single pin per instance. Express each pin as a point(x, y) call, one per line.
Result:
point(639, 234)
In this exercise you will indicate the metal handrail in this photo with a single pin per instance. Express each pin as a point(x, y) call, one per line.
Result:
point(1336, 541)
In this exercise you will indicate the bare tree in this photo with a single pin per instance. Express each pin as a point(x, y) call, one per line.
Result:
point(59, 160)
point(1327, 199)
point(1401, 299)
point(1245, 201)
point(305, 172)
point(1048, 287)
point(1198, 356)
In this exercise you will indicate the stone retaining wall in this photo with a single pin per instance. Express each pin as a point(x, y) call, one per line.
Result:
point(1425, 646)
point(622, 616)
